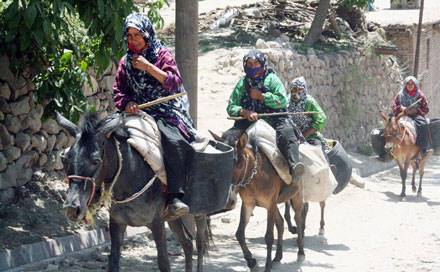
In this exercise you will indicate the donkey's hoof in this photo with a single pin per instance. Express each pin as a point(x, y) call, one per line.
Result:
point(300, 258)
point(321, 232)
point(419, 193)
point(293, 230)
point(414, 189)
point(277, 258)
point(251, 263)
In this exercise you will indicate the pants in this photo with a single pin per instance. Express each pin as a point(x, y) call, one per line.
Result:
point(422, 140)
point(288, 136)
point(177, 151)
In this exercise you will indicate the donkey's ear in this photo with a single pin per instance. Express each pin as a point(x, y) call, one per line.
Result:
point(242, 141)
point(400, 115)
point(383, 115)
point(215, 136)
point(67, 124)
point(110, 124)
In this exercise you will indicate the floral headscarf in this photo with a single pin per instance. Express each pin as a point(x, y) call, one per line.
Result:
point(299, 83)
point(302, 121)
point(405, 99)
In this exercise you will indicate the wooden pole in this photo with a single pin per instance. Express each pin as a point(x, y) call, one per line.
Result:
point(419, 35)
point(187, 47)
point(160, 100)
point(273, 114)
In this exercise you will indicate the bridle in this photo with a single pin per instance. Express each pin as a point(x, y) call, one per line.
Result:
point(115, 178)
point(246, 180)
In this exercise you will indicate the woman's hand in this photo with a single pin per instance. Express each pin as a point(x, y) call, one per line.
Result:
point(141, 63)
point(249, 115)
point(131, 108)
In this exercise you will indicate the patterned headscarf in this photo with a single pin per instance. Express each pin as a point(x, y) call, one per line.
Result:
point(405, 99)
point(140, 81)
point(299, 83)
point(302, 121)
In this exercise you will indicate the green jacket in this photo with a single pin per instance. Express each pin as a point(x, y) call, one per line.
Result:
point(274, 98)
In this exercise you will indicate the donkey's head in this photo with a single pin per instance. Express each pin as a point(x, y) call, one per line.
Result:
point(393, 132)
point(83, 161)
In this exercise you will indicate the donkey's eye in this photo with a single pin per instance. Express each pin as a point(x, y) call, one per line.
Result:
point(97, 161)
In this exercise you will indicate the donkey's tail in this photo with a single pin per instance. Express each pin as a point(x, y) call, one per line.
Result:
point(199, 228)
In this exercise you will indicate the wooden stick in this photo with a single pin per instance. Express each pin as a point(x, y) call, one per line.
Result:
point(273, 114)
point(160, 100)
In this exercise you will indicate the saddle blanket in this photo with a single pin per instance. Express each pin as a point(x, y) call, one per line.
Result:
point(318, 180)
point(409, 123)
point(145, 138)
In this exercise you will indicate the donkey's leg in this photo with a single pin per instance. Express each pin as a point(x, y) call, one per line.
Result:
point(116, 237)
point(177, 226)
point(413, 180)
point(158, 231)
point(279, 223)
point(305, 211)
point(422, 172)
point(246, 212)
point(300, 216)
point(202, 240)
point(403, 174)
point(271, 215)
point(290, 226)
point(322, 222)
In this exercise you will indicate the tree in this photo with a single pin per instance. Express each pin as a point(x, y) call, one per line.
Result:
point(317, 23)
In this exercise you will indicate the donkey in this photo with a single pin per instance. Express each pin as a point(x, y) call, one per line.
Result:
point(258, 184)
point(101, 161)
point(293, 229)
point(404, 151)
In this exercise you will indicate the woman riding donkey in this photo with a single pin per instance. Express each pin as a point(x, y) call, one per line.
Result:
point(147, 72)
point(261, 91)
point(412, 102)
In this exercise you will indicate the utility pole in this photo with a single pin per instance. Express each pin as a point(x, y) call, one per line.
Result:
point(419, 35)
point(187, 47)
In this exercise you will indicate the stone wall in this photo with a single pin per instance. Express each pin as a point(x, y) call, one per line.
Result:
point(27, 143)
point(351, 86)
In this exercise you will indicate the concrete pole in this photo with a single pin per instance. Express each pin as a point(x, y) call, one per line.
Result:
point(187, 47)
point(419, 35)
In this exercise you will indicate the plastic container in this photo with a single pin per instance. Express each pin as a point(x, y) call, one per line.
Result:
point(340, 159)
point(209, 179)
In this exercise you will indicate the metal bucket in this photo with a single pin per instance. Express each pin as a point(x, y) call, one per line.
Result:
point(209, 180)
point(434, 128)
point(378, 142)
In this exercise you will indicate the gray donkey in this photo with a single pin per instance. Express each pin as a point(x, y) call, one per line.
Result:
point(102, 162)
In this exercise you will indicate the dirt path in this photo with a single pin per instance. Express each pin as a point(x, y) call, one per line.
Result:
point(366, 230)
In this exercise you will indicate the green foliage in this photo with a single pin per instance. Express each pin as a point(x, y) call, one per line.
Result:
point(62, 39)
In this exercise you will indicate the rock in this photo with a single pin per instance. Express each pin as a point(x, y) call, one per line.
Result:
point(261, 44)
point(23, 141)
point(8, 178)
point(106, 83)
point(12, 153)
point(51, 140)
point(2, 116)
point(51, 126)
point(22, 106)
point(5, 72)
point(20, 88)
point(4, 106)
point(39, 175)
point(33, 120)
point(90, 87)
point(6, 139)
point(39, 142)
point(3, 162)
point(27, 160)
point(12, 123)
point(43, 160)
point(7, 195)
point(24, 175)
point(58, 164)
point(5, 91)
point(61, 140)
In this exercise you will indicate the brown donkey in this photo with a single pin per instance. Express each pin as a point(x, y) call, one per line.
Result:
point(404, 151)
point(258, 184)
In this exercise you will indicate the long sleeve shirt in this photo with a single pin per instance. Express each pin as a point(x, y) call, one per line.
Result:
point(422, 108)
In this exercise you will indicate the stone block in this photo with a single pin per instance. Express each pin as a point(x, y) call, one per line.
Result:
point(8, 178)
point(3, 162)
point(51, 126)
point(12, 123)
point(6, 139)
point(39, 142)
point(12, 153)
point(4, 105)
point(5, 91)
point(21, 106)
point(23, 141)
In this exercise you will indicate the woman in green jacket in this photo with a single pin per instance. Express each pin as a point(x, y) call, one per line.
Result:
point(310, 125)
